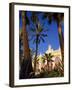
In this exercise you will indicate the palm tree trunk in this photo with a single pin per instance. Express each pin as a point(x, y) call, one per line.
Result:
point(48, 65)
point(25, 38)
point(36, 54)
point(61, 39)
point(26, 66)
point(51, 66)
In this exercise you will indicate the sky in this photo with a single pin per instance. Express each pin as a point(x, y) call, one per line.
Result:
point(52, 33)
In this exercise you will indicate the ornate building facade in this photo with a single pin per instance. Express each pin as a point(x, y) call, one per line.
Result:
point(55, 53)
point(57, 58)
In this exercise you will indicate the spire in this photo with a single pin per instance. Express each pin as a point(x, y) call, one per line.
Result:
point(40, 55)
point(49, 47)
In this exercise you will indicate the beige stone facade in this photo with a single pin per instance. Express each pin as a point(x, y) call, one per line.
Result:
point(56, 58)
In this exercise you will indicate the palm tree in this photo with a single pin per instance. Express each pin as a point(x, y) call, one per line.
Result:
point(26, 66)
point(48, 57)
point(20, 47)
point(25, 37)
point(39, 34)
point(43, 59)
point(59, 18)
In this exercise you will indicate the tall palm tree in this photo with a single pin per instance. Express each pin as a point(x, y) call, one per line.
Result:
point(26, 66)
point(39, 34)
point(59, 18)
point(25, 37)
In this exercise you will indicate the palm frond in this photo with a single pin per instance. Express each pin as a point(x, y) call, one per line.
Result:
point(27, 20)
point(31, 29)
point(46, 55)
point(34, 18)
point(39, 41)
point(45, 16)
point(58, 17)
point(42, 39)
point(44, 35)
point(44, 31)
point(34, 41)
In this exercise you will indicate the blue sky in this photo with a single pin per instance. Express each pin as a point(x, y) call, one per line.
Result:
point(52, 33)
